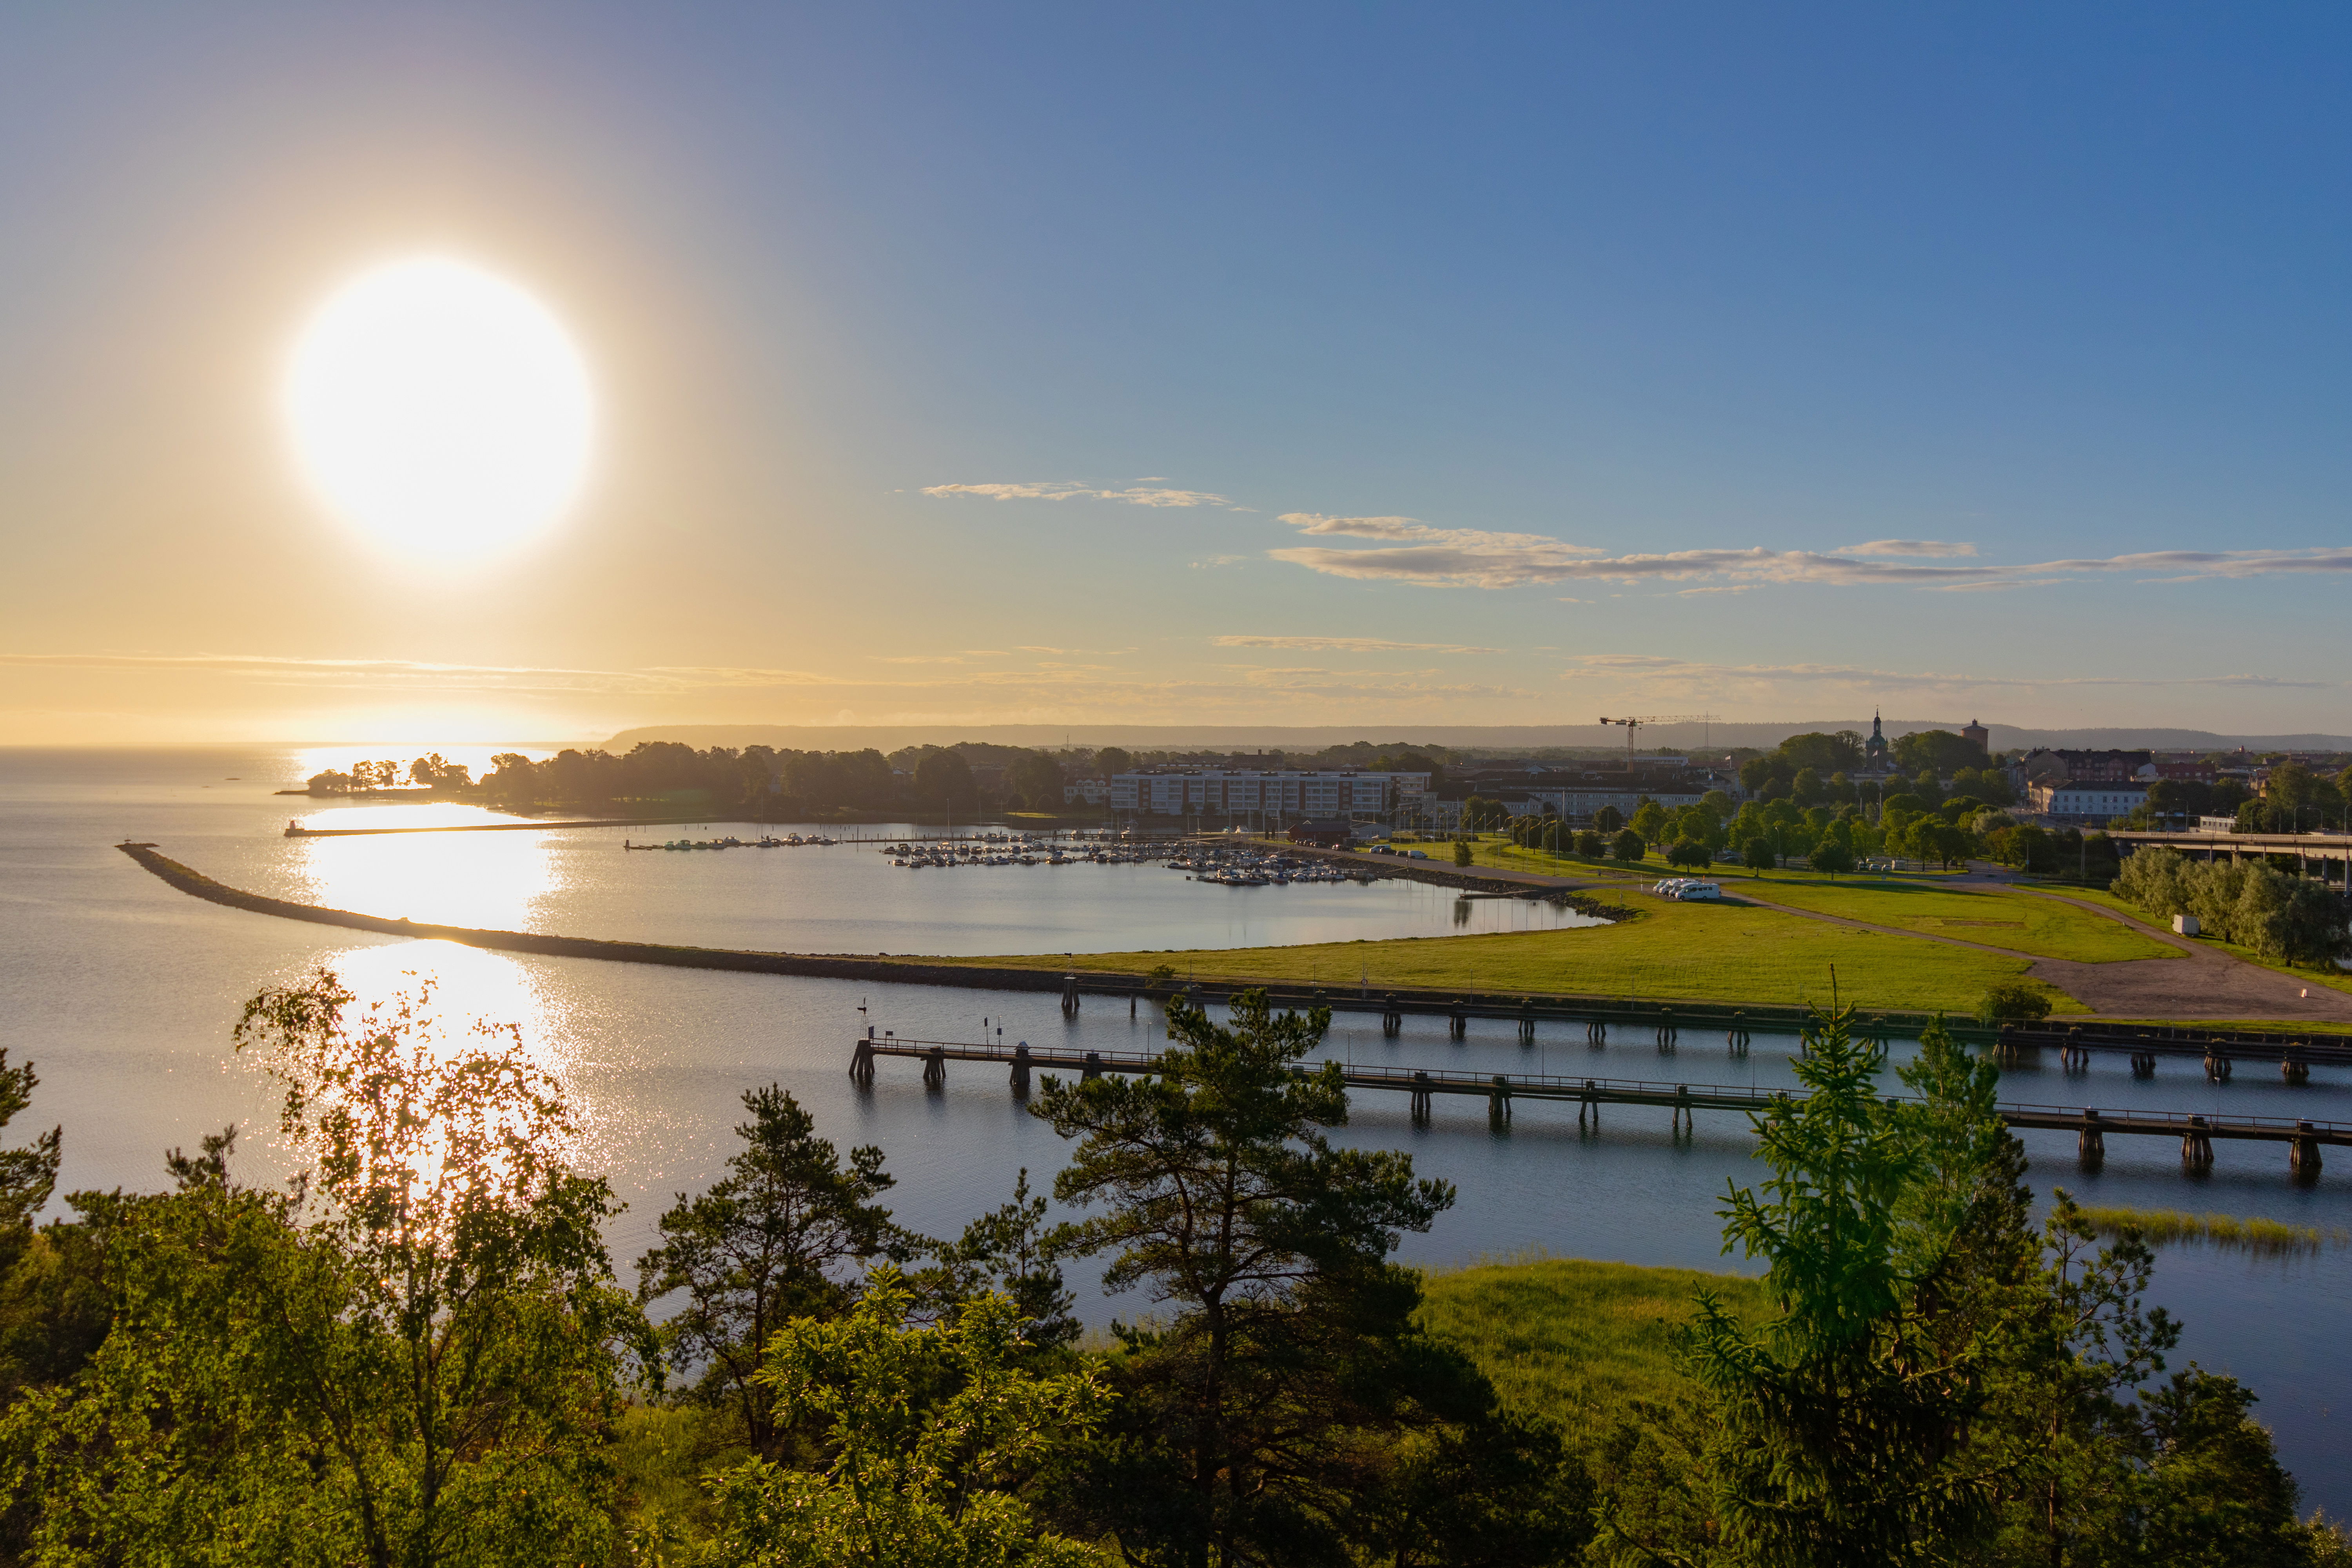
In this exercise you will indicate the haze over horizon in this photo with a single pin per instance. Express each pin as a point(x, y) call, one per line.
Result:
point(1220, 367)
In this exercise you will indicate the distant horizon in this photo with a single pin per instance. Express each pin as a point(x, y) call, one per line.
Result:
point(1211, 737)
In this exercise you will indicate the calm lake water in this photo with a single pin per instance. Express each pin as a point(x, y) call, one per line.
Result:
point(124, 991)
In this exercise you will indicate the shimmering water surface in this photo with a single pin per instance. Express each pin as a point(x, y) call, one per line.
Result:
point(123, 991)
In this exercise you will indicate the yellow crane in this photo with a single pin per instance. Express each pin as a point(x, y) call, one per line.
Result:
point(1637, 720)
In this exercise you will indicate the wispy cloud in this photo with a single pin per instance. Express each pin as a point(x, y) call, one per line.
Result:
point(1078, 490)
point(1481, 559)
point(1347, 645)
point(1679, 674)
point(1906, 547)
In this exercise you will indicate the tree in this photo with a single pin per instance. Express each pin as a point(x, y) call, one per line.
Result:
point(763, 1244)
point(2013, 1002)
point(1830, 856)
point(1756, 855)
point(1841, 1422)
point(1221, 1196)
point(1690, 852)
point(943, 779)
point(1648, 821)
point(1590, 845)
point(1608, 819)
point(1461, 854)
point(1113, 760)
point(1629, 847)
point(408, 1359)
point(1038, 778)
point(1005, 1250)
point(1938, 751)
point(928, 1432)
point(27, 1175)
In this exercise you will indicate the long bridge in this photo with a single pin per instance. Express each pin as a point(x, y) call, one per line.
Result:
point(2198, 843)
point(2196, 1132)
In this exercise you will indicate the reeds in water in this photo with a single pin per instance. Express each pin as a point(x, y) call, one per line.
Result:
point(2159, 1227)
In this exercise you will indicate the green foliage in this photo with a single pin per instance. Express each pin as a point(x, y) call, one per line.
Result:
point(1838, 1423)
point(764, 1243)
point(1756, 855)
point(930, 1430)
point(1461, 854)
point(27, 1175)
point(1629, 845)
point(1690, 852)
point(408, 1359)
point(2284, 918)
point(2013, 1002)
point(1258, 1424)
point(1005, 1250)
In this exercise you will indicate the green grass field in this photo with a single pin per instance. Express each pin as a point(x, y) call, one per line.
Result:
point(2018, 922)
point(1562, 1337)
point(1727, 952)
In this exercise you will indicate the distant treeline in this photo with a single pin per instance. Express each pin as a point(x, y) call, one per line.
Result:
point(970, 775)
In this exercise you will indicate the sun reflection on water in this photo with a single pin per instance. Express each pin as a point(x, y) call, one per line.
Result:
point(471, 991)
point(494, 880)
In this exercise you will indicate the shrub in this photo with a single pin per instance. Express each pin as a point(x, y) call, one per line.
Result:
point(1461, 852)
point(2013, 1002)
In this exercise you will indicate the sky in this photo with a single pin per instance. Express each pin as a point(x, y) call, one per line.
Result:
point(1280, 364)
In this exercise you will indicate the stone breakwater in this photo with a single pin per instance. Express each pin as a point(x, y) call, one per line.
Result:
point(1665, 1015)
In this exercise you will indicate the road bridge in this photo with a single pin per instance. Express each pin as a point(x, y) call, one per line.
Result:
point(2197, 1131)
point(2326, 848)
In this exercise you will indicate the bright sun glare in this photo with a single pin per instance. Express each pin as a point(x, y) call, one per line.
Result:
point(440, 408)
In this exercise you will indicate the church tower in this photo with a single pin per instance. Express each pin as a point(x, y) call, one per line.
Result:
point(1873, 750)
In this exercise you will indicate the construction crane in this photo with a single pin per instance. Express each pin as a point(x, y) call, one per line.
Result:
point(1639, 720)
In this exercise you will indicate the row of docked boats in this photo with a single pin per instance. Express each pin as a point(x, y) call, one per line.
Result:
point(1257, 868)
point(766, 841)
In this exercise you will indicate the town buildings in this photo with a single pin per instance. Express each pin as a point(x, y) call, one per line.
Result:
point(1263, 796)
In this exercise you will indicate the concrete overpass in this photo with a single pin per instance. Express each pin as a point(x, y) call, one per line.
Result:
point(2328, 856)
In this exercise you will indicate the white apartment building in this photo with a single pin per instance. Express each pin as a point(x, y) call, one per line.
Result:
point(2085, 803)
point(1343, 793)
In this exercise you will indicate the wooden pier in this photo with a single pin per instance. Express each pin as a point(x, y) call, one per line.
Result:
point(2091, 1127)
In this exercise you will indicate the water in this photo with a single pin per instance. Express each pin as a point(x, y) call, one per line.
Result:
point(124, 992)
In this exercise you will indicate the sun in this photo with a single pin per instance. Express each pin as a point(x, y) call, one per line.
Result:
point(440, 408)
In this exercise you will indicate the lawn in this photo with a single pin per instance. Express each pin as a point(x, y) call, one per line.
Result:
point(2020, 922)
point(1569, 1340)
point(1724, 952)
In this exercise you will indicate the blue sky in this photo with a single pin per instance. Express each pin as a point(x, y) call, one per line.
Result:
point(1575, 352)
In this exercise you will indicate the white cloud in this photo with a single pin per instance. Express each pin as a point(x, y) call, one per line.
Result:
point(1906, 547)
point(1347, 645)
point(1477, 558)
point(1076, 489)
point(1677, 674)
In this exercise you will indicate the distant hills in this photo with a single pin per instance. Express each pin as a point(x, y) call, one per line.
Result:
point(1481, 737)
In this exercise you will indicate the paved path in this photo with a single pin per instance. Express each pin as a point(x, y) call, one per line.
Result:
point(2212, 984)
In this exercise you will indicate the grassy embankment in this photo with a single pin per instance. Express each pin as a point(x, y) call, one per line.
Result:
point(1996, 917)
point(1574, 1341)
point(1725, 952)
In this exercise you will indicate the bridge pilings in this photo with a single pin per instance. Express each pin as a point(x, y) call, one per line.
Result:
point(2197, 1148)
point(2091, 1147)
point(1498, 1102)
point(1021, 1071)
point(2303, 1154)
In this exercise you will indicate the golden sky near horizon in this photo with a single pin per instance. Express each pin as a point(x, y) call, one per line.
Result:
point(840, 369)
